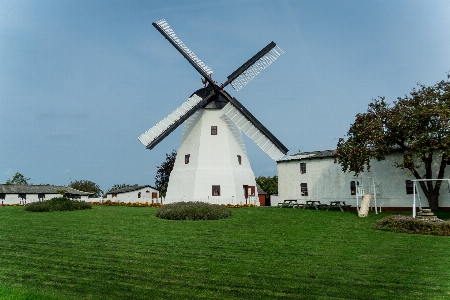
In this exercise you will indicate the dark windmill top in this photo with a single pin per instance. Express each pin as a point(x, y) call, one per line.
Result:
point(214, 96)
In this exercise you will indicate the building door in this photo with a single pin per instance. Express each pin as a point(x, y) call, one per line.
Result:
point(249, 190)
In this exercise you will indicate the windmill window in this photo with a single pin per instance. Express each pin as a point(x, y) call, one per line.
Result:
point(302, 168)
point(304, 189)
point(186, 158)
point(409, 187)
point(239, 159)
point(216, 190)
point(213, 130)
point(353, 185)
point(139, 195)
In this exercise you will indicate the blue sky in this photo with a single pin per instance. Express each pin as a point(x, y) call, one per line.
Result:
point(81, 80)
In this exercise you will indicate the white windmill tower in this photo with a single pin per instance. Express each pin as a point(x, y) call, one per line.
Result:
point(212, 163)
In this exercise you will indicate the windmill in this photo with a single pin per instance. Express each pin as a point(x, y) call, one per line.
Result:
point(212, 163)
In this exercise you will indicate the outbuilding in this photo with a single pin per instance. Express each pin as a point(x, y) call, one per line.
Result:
point(24, 193)
point(133, 194)
point(315, 176)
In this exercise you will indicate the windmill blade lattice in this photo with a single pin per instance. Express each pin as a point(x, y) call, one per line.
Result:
point(246, 122)
point(158, 132)
point(168, 32)
point(254, 66)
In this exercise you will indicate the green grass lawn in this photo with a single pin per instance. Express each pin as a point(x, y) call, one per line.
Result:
point(258, 253)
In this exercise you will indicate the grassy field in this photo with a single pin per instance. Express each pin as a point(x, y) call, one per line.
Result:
point(259, 253)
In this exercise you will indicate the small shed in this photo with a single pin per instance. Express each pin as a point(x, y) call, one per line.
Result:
point(262, 196)
point(133, 194)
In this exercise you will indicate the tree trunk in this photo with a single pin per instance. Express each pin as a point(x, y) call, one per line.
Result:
point(433, 201)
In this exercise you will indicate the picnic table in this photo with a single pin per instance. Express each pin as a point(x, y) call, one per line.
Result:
point(289, 203)
point(338, 204)
point(312, 204)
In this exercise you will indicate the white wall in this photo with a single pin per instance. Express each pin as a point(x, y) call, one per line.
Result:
point(213, 161)
point(327, 182)
point(14, 198)
point(132, 197)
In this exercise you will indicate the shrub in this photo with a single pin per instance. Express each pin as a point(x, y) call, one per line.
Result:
point(406, 224)
point(57, 204)
point(193, 211)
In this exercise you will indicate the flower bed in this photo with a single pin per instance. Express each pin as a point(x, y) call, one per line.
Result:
point(407, 224)
point(193, 211)
point(131, 204)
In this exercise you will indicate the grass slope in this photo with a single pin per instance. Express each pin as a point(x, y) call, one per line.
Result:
point(258, 253)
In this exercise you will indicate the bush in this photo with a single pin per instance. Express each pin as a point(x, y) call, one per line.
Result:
point(406, 224)
point(193, 211)
point(57, 204)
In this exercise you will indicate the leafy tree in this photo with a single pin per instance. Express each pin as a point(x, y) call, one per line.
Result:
point(120, 186)
point(163, 173)
point(86, 186)
point(17, 179)
point(268, 184)
point(417, 125)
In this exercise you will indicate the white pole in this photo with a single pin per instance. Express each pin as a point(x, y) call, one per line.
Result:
point(414, 202)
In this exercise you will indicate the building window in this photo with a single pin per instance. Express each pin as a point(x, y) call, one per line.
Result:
point(409, 187)
point(2, 196)
point(216, 190)
point(302, 168)
point(41, 196)
point(304, 189)
point(23, 195)
point(186, 158)
point(353, 185)
point(114, 195)
point(139, 195)
point(213, 130)
point(239, 159)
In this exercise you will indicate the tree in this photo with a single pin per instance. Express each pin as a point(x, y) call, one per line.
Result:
point(121, 186)
point(86, 186)
point(163, 173)
point(17, 179)
point(417, 125)
point(268, 184)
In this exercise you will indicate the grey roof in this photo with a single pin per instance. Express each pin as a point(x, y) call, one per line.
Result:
point(308, 155)
point(260, 190)
point(129, 189)
point(38, 189)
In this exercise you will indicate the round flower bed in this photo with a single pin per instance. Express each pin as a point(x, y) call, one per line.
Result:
point(193, 211)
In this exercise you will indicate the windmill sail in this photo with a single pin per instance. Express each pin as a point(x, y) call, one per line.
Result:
point(164, 28)
point(246, 122)
point(158, 132)
point(254, 66)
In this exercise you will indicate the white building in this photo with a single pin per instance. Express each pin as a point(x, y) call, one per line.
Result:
point(315, 176)
point(22, 194)
point(133, 194)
